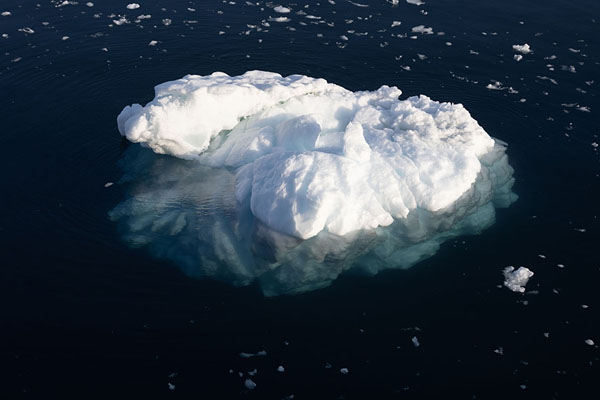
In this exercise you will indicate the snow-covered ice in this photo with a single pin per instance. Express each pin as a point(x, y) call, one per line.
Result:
point(303, 178)
point(516, 280)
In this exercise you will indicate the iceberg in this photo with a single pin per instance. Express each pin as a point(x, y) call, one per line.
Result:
point(290, 181)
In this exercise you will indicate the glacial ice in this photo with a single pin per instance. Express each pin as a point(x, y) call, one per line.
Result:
point(516, 280)
point(292, 180)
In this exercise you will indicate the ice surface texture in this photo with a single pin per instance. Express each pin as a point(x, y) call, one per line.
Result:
point(303, 179)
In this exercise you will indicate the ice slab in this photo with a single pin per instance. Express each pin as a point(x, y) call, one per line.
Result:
point(292, 180)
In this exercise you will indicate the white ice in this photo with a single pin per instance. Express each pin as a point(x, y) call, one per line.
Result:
point(516, 280)
point(522, 48)
point(312, 173)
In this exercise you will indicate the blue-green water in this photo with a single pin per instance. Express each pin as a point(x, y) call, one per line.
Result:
point(83, 313)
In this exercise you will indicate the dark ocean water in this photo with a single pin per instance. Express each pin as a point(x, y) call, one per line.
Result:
point(82, 313)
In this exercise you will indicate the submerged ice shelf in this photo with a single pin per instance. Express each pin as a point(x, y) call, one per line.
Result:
point(292, 180)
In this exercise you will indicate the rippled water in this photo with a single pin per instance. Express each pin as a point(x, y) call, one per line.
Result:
point(82, 312)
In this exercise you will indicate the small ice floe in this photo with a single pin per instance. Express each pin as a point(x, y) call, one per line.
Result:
point(415, 2)
point(281, 10)
point(344, 371)
point(249, 383)
point(280, 369)
point(396, 23)
point(522, 48)
point(6, 13)
point(422, 29)
point(26, 30)
point(518, 57)
point(133, 6)
point(516, 280)
point(279, 19)
point(546, 334)
point(171, 386)
point(120, 21)
point(166, 22)
point(415, 341)
point(65, 38)
point(589, 342)
point(153, 43)
point(499, 350)
point(89, 4)
point(261, 353)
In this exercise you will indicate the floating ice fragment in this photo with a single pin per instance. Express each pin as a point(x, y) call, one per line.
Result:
point(422, 29)
point(280, 369)
point(153, 43)
point(6, 13)
point(415, 2)
point(518, 57)
point(171, 386)
point(89, 4)
point(522, 48)
point(120, 21)
point(108, 184)
point(282, 10)
point(299, 180)
point(166, 21)
point(27, 30)
point(344, 371)
point(279, 19)
point(415, 341)
point(396, 23)
point(133, 6)
point(261, 353)
point(589, 342)
point(249, 383)
point(516, 280)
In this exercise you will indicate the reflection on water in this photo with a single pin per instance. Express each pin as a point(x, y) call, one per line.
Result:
point(187, 213)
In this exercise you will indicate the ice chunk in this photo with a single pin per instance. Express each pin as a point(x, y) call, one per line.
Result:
point(522, 48)
point(133, 6)
point(422, 29)
point(282, 10)
point(293, 180)
point(516, 280)
point(249, 383)
point(415, 2)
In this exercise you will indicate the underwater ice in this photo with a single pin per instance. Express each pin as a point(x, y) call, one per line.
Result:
point(292, 180)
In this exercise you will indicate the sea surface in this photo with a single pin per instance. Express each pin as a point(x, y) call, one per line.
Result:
point(83, 313)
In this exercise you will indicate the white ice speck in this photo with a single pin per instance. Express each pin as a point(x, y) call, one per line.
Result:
point(344, 371)
point(396, 23)
point(133, 6)
point(282, 10)
point(589, 342)
point(27, 30)
point(6, 14)
point(166, 22)
point(249, 383)
point(89, 4)
point(415, 2)
point(422, 29)
point(522, 48)
point(153, 43)
point(415, 341)
point(280, 369)
point(518, 57)
point(171, 386)
point(516, 280)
